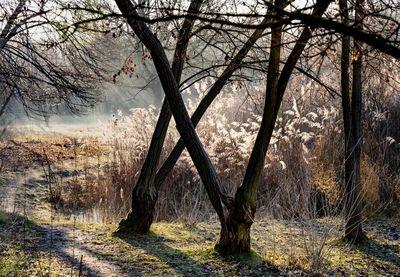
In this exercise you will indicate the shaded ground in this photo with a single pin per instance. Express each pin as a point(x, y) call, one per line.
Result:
point(62, 246)
point(8, 191)
point(178, 249)
point(75, 250)
point(19, 247)
point(281, 248)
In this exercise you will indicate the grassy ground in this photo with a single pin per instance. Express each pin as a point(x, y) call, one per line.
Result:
point(20, 251)
point(279, 248)
point(179, 249)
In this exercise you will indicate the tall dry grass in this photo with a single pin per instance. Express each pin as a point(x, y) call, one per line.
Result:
point(303, 173)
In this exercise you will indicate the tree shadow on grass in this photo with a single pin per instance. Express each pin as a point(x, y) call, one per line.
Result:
point(26, 237)
point(57, 242)
point(178, 260)
point(199, 262)
point(40, 243)
point(385, 252)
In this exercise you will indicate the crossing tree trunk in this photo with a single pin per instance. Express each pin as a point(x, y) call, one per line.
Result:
point(235, 232)
point(145, 194)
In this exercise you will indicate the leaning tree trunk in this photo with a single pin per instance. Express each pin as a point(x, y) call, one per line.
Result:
point(232, 222)
point(233, 65)
point(208, 99)
point(145, 194)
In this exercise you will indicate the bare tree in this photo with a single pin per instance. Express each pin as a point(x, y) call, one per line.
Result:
point(37, 72)
point(236, 215)
point(144, 195)
point(141, 215)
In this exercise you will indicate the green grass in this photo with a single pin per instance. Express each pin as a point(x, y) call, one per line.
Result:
point(17, 235)
point(19, 248)
point(178, 249)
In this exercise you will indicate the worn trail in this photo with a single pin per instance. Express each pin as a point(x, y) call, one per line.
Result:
point(72, 246)
point(75, 249)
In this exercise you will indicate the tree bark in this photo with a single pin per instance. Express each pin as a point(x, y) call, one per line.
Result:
point(145, 194)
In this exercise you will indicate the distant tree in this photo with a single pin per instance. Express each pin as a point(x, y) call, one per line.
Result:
point(39, 69)
point(352, 107)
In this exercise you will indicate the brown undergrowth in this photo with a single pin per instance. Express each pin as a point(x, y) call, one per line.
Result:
point(302, 176)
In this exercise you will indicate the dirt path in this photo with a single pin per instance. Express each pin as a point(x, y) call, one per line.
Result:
point(76, 250)
point(73, 247)
point(8, 194)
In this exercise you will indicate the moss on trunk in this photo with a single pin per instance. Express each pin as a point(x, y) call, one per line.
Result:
point(235, 230)
point(141, 217)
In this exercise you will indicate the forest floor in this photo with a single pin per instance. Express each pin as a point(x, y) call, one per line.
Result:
point(36, 240)
point(67, 248)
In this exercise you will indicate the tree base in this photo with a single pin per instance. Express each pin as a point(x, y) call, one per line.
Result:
point(139, 219)
point(234, 238)
point(355, 236)
point(135, 225)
